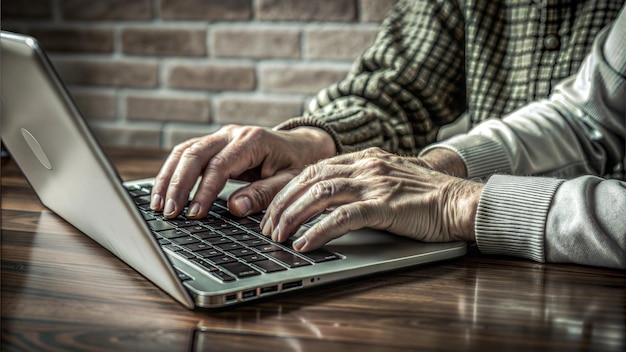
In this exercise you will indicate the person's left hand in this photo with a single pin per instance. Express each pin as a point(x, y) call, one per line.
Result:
point(376, 189)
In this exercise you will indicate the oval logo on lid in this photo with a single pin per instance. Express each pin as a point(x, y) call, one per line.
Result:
point(36, 148)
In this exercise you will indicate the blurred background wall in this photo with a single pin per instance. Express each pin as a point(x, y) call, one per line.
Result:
point(151, 73)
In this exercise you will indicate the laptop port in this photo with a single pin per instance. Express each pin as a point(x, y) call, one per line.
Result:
point(248, 294)
point(293, 284)
point(269, 289)
point(231, 298)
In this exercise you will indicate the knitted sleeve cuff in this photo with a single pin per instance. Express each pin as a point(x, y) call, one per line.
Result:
point(511, 215)
point(482, 156)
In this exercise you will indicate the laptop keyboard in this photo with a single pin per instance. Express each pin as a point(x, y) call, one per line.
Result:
point(229, 248)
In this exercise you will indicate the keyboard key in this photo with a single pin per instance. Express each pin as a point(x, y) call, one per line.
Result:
point(206, 234)
point(256, 242)
point(253, 226)
point(198, 246)
point(246, 221)
point(172, 247)
point(182, 276)
point(240, 252)
point(182, 222)
point(240, 269)
point(218, 240)
point(172, 233)
point(229, 246)
point(210, 221)
point(289, 259)
point(243, 236)
point(185, 240)
point(147, 215)
point(142, 200)
point(222, 276)
point(136, 192)
point(164, 241)
point(320, 255)
point(159, 225)
point(253, 257)
point(233, 231)
point(223, 259)
point(204, 264)
point(186, 254)
point(207, 253)
point(195, 229)
point(268, 247)
point(225, 227)
point(268, 266)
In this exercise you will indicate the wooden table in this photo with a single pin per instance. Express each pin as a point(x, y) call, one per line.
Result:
point(61, 291)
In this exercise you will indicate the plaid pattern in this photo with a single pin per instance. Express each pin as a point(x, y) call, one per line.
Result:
point(435, 60)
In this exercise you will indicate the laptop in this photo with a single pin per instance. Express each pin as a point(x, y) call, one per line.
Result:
point(218, 262)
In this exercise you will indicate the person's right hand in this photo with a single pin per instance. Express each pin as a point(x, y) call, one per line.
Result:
point(268, 159)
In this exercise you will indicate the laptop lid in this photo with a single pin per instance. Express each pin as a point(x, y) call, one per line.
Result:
point(53, 146)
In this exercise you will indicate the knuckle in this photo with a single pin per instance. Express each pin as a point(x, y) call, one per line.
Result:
point(309, 173)
point(261, 196)
point(160, 180)
point(288, 220)
point(250, 132)
point(218, 163)
point(374, 151)
point(323, 190)
point(374, 165)
point(343, 217)
point(180, 148)
point(195, 150)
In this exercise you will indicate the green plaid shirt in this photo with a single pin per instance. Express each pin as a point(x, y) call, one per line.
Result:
point(436, 60)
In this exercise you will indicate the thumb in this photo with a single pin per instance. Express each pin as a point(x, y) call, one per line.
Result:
point(258, 195)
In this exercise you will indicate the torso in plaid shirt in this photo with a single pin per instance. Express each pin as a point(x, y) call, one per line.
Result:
point(436, 60)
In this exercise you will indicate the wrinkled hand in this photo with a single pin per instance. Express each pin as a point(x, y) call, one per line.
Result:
point(376, 189)
point(268, 159)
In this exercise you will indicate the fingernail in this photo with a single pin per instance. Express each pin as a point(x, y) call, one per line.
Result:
point(243, 204)
point(170, 207)
point(299, 243)
point(275, 234)
point(267, 227)
point(156, 202)
point(194, 209)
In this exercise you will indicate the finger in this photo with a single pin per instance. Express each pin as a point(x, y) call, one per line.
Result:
point(340, 221)
point(244, 151)
point(164, 176)
point(317, 198)
point(295, 190)
point(193, 161)
point(257, 195)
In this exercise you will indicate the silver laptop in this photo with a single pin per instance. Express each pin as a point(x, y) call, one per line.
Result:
point(217, 262)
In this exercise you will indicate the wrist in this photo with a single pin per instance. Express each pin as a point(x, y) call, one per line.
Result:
point(444, 160)
point(319, 140)
point(462, 201)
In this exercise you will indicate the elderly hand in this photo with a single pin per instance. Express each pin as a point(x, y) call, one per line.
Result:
point(269, 159)
point(376, 189)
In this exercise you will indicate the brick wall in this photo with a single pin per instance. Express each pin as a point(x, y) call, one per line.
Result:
point(152, 73)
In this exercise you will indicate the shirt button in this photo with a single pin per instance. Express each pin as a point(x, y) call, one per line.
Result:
point(551, 42)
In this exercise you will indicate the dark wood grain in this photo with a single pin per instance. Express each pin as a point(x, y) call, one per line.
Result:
point(61, 291)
